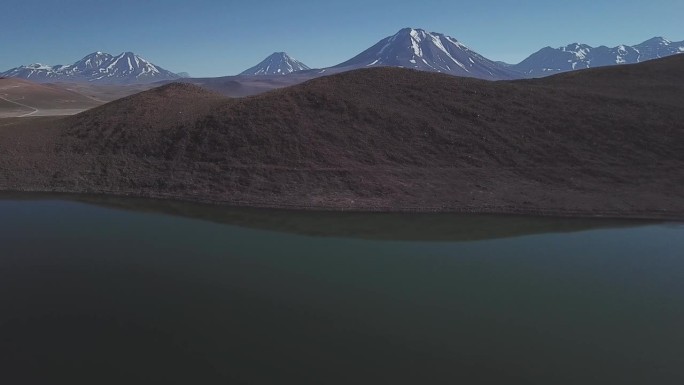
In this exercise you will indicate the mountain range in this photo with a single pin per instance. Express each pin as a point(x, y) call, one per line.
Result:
point(408, 48)
point(97, 67)
point(549, 61)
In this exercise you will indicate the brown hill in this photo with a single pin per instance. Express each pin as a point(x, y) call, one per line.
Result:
point(659, 81)
point(587, 143)
point(241, 86)
point(24, 98)
point(107, 92)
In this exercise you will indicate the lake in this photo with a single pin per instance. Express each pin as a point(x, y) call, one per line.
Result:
point(102, 290)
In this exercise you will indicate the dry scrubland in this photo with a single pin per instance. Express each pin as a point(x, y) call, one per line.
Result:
point(606, 141)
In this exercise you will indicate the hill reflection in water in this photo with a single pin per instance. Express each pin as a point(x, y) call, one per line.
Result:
point(360, 225)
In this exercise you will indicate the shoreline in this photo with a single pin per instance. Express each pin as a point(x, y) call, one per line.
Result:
point(481, 210)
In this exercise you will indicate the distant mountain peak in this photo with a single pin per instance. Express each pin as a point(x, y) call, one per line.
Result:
point(98, 53)
point(659, 47)
point(428, 51)
point(658, 40)
point(575, 46)
point(280, 55)
point(91, 61)
point(277, 63)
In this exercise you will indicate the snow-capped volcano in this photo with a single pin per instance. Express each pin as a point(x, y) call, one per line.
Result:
point(278, 63)
point(428, 51)
point(97, 67)
point(549, 61)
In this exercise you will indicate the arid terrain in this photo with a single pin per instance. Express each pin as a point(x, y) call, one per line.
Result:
point(600, 142)
point(23, 98)
point(242, 86)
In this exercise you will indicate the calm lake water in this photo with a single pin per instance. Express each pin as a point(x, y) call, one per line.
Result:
point(130, 291)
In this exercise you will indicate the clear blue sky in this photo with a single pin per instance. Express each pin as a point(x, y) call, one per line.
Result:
point(215, 38)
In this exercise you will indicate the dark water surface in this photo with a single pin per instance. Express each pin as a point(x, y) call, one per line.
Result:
point(116, 291)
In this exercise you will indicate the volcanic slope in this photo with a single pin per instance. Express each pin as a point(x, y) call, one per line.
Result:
point(586, 143)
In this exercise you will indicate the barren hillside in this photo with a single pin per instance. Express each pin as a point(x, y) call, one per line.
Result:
point(600, 142)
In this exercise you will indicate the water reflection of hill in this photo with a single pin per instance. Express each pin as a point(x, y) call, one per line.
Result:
point(381, 226)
